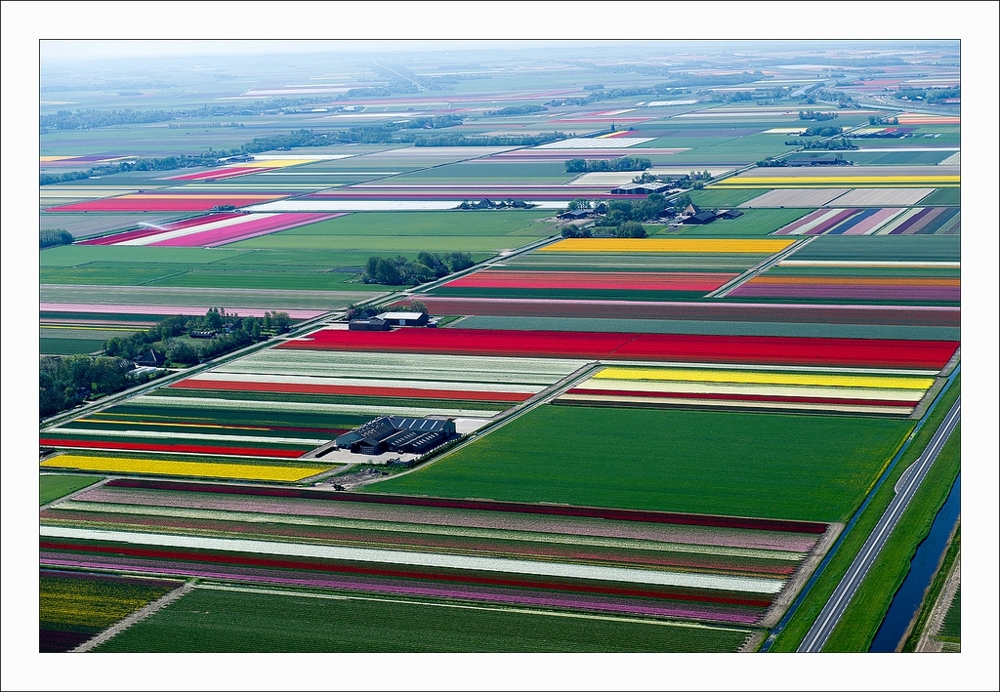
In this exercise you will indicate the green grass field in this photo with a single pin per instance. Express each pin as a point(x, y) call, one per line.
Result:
point(208, 620)
point(300, 269)
point(945, 196)
point(797, 627)
point(68, 347)
point(895, 248)
point(897, 158)
point(395, 245)
point(799, 467)
point(722, 198)
point(52, 486)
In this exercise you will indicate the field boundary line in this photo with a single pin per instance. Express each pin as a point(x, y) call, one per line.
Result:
point(505, 417)
point(135, 617)
point(806, 569)
point(728, 287)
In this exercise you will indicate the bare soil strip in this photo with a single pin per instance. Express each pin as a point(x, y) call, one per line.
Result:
point(135, 617)
point(801, 576)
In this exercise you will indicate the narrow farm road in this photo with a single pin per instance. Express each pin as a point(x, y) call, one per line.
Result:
point(834, 609)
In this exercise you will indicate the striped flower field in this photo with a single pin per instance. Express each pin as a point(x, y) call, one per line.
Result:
point(677, 348)
point(213, 230)
point(875, 221)
point(166, 202)
point(73, 607)
point(685, 567)
point(282, 404)
point(748, 389)
point(192, 469)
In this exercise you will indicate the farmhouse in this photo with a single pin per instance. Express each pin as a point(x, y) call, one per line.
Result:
point(404, 319)
point(640, 188)
point(574, 214)
point(702, 217)
point(150, 359)
point(396, 434)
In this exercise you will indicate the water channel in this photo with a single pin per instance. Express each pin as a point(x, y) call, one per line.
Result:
point(923, 566)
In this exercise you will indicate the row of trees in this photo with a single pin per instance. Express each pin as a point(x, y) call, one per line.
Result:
point(624, 163)
point(823, 131)
point(232, 332)
point(816, 115)
point(64, 382)
point(928, 95)
point(626, 229)
point(841, 144)
point(514, 110)
point(400, 271)
point(882, 120)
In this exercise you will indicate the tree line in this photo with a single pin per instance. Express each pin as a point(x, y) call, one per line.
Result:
point(231, 332)
point(624, 163)
point(66, 381)
point(400, 271)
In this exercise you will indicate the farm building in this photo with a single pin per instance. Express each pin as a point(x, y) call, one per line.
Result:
point(404, 319)
point(702, 217)
point(575, 214)
point(731, 214)
point(369, 324)
point(150, 359)
point(396, 434)
point(640, 188)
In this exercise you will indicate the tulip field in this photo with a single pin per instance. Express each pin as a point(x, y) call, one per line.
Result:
point(665, 410)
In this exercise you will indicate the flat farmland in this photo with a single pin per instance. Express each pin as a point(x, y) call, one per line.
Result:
point(73, 607)
point(233, 299)
point(951, 196)
point(224, 268)
point(721, 198)
point(717, 327)
point(901, 156)
point(448, 223)
point(82, 225)
point(244, 620)
point(491, 171)
point(803, 467)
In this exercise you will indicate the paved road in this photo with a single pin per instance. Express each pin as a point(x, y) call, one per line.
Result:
point(834, 609)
